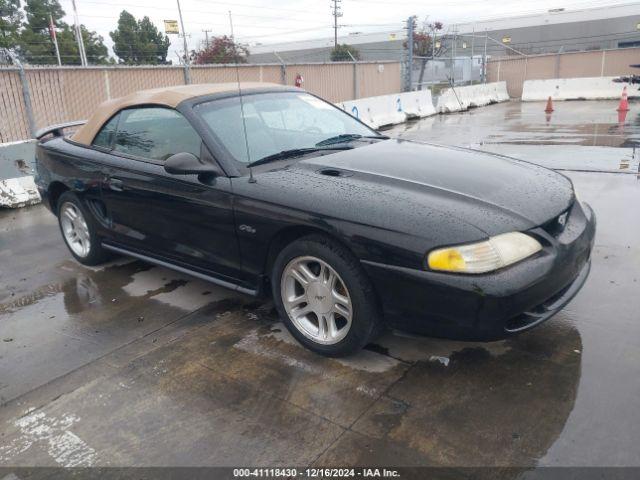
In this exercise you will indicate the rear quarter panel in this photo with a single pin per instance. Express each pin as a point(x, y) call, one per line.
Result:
point(59, 162)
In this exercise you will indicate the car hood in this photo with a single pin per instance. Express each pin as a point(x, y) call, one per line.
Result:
point(494, 194)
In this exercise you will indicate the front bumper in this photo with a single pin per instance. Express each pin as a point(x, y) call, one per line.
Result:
point(495, 305)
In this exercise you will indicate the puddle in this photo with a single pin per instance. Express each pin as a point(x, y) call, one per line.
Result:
point(414, 348)
point(587, 135)
point(365, 360)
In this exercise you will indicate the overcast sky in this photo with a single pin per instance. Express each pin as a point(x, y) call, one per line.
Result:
point(273, 21)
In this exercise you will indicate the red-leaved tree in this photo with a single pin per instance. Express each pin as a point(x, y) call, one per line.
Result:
point(221, 50)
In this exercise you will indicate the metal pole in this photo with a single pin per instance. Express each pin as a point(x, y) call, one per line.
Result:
point(433, 45)
point(558, 61)
point(409, 74)
point(473, 39)
point(79, 39)
point(455, 51)
point(452, 69)
point(484, 58)
point(355, 76)
point(283, 69)
point(55, 39)
point(26, 95)
point(187, 63)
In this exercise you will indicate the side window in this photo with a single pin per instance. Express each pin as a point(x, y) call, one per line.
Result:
point(155, 133)
point(104, 138)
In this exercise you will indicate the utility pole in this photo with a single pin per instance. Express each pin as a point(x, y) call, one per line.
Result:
point(409, 74)
point(78, 30)
point(336, 13)
point(52, 31)
point(187, 63)
point(206, 37)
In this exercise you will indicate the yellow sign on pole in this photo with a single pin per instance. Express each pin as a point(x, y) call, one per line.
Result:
point(171, 26)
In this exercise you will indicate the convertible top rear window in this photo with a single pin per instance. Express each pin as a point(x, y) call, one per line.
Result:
point(155, 133)
point(105, 137)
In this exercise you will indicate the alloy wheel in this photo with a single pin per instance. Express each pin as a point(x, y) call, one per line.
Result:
point(316, 300)
point(75, 229)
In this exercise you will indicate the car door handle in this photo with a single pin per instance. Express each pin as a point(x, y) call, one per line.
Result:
point(115, 184)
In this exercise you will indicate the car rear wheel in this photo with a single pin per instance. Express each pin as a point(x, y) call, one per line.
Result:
point(324, 297)
point(78, 231)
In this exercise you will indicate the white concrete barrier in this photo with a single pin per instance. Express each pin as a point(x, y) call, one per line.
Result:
point(457, 99)
point(17, 187)
point(18, 192)
point(376, 111)
point(417, 104)
point(588, 88)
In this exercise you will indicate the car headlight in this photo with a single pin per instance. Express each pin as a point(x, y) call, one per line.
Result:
point(497, 252)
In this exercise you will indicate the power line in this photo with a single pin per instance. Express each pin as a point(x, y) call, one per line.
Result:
point(304, 30)
point(189, 11)
point(251, 6)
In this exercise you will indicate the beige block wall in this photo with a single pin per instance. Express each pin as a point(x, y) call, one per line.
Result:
point(566, 65)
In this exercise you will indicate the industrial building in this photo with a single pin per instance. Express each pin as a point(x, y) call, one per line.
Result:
point(558, 30)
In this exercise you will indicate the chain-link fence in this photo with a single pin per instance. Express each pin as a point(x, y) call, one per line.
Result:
point(35, 97)
point(454, 59)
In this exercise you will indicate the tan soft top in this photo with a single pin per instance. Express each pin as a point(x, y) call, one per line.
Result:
point(166, 96)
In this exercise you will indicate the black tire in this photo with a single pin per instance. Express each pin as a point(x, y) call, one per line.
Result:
point(96, 254)
point(366, 320)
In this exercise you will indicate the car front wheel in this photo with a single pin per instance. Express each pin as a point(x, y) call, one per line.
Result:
point(324, 297)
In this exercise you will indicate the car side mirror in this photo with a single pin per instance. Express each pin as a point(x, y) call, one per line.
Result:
point(188, 164)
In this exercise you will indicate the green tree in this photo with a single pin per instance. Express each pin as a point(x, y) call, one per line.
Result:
point(97, 52)
point(341, 53)
point(138, 42)
point(36, 44)
point(38, 12)
point(10, 20)
point(221, 50)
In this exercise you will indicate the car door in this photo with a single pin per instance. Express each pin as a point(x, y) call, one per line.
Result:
point(174, 218)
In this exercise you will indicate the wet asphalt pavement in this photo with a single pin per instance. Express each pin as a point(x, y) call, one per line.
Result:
point(134, 365)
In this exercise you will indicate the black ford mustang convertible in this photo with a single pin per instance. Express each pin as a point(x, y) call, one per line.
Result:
point(279, 192)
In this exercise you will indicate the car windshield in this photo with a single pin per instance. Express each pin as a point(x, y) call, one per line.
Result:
point(279, 122)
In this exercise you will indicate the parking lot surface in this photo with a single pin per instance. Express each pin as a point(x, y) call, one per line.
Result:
point(135, 365)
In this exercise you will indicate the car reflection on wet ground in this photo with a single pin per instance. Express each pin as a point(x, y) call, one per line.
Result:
point(130, 364)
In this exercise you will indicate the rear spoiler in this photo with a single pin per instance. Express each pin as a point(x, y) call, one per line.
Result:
point(57, 130)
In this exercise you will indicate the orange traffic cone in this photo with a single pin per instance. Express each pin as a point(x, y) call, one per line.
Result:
point(624, 101)
point(549, 108)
